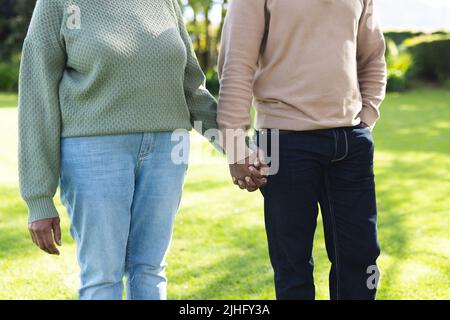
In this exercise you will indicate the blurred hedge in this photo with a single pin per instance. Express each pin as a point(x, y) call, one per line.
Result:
point(212, 82)
point(9, 75)
point(400, 36)
point(425, 57)
point(431, 58)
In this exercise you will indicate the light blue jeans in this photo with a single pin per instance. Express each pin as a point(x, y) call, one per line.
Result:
point(122, 193)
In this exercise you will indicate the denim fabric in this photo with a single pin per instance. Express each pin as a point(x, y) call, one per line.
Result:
point(332, 168)
point(122, 193)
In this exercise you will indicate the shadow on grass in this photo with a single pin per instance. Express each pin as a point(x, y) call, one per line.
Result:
point(244, 265)
point(14, 236)
point(396, 231)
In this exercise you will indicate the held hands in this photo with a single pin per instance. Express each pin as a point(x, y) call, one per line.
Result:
point(364, 125)
point(250, 174)
point(45, 233)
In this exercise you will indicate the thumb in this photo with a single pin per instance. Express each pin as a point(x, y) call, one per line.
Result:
point(57, 231)
point(260, 159)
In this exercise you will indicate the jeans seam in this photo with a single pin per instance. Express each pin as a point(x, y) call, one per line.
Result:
point(127, 268)
point(335, 144)
point(138, 155)
point(151, 145)
point(346, 149)
point(146, 148)
point(334, 233)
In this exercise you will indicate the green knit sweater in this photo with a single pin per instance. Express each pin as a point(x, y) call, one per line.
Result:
point(101, 68)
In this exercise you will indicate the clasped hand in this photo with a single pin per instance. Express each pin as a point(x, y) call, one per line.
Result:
point(251, 173)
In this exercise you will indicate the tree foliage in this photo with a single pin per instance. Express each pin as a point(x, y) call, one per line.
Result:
point(15, 16)
point(205, 35)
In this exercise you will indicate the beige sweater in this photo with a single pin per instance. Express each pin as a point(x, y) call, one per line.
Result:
point(322, 66)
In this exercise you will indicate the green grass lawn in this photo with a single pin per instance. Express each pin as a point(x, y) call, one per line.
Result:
point(8, 100)
point(219, 247)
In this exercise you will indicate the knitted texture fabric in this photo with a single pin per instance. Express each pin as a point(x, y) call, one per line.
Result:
point(102, 67)
point(308, 65)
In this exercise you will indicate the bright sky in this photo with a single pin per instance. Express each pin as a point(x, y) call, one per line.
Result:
point(424, 15)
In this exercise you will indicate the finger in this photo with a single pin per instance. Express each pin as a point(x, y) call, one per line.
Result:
point(57, 231)
point(265, 170)
point(252, 189)
point(261, 182)
point(40, 242)
point(44, 244)
point(257, 163)
point(256, 183)
point(49, 243)
point(255, 172)
point(264, 164)
point(235, 181)
point(33, 238)
point(258, 179)
point(250, 183)
point(261, 158)
point(241, 184)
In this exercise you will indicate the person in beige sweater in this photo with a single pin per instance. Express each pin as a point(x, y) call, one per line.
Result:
point(316, 72)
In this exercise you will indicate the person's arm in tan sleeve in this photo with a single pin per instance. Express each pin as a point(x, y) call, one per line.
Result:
point(238, 60)
point(371, 61)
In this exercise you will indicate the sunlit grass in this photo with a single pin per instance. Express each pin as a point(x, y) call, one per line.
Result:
point(219, 249)
point(8, 100)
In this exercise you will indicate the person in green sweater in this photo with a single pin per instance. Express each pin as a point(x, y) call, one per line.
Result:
point(103, 84)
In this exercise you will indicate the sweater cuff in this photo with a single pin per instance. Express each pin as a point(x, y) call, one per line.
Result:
point(209, 124)
point(369, 116)
point(40, 209)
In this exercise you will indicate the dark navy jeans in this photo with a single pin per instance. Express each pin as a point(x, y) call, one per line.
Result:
point(332, 168)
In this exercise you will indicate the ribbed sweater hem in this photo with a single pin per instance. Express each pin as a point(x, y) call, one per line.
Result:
point(41, 208)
